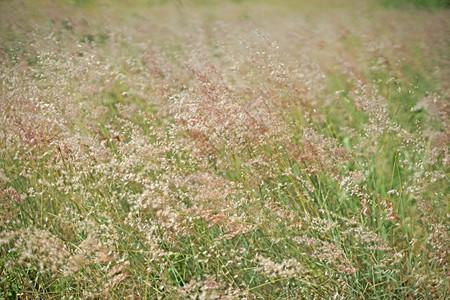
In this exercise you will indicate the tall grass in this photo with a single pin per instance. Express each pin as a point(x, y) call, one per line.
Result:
point(416, 3)
point(191, 152)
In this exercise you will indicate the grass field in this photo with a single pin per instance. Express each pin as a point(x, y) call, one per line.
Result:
point(197, 149)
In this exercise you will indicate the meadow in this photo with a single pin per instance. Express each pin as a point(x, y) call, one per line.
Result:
point(194, 149)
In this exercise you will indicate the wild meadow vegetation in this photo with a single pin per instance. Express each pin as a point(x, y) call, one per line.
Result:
point(224, 149)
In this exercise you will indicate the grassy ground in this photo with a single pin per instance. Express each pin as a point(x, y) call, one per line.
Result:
point(224, 149)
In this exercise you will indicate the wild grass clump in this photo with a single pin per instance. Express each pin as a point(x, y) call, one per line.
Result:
point(192, 159)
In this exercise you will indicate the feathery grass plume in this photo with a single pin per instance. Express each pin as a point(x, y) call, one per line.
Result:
point(218, 152)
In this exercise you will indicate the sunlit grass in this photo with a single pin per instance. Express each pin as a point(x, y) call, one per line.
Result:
point(223, 150)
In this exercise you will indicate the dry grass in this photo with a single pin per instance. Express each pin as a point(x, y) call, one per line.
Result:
point(223, 150)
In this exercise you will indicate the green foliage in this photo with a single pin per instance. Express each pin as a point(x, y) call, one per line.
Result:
point(82, 3)
point(416, 3)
